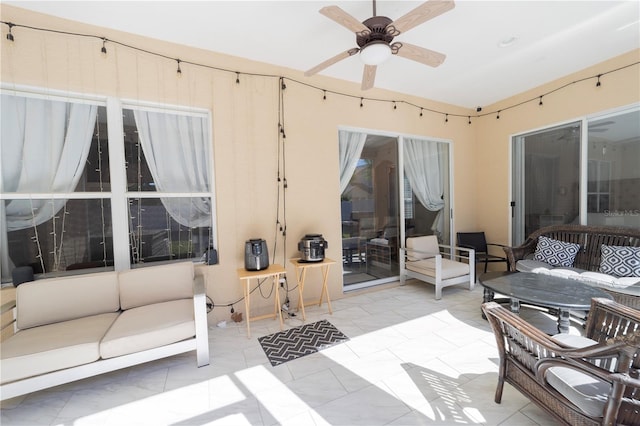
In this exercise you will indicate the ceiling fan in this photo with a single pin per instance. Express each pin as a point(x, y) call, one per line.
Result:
point(374, 38)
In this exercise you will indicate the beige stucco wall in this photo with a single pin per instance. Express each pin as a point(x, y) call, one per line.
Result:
point(245, 118)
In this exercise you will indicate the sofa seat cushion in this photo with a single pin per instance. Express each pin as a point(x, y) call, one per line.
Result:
point(148, 327)
point(52, 347)
point(530, 265)
point(450, 268)
point(606, 281)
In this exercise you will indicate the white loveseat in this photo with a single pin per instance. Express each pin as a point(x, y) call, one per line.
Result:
point(79, 326)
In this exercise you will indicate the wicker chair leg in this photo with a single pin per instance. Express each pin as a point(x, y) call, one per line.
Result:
point(499, 388)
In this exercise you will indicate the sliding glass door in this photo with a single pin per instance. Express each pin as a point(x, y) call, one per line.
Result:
point(391, 187)
point(546, 189)
point(584, 172)
point(369, 208)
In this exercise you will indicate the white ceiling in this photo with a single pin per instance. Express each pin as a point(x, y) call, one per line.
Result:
point(554, 38)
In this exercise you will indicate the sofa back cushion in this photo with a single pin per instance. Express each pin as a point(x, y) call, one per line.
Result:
point(55, 300)
point(156, 284)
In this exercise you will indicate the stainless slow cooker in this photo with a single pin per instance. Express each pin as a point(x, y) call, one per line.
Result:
point(312, 247)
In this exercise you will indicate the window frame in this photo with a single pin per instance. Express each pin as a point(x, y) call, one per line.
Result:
point(118, 195)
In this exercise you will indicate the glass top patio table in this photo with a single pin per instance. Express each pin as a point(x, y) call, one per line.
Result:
point(547, 291)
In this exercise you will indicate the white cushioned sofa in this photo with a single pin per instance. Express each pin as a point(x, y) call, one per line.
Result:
point(79, 326)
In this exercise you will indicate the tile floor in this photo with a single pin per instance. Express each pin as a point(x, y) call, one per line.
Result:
point(410, 360)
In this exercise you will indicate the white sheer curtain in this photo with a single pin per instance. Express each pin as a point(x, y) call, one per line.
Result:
point(423, 169)
point(176, 149)
point(350, 146)
point(44, 149)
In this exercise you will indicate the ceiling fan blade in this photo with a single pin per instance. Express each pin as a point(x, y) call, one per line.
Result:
point(420, 14)
point(346, 20)
point(331, 61)
point(418, 54)
point(368, 77)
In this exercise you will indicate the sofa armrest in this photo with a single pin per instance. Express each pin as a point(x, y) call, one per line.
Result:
point(520, 252)
point(8, 306)
point(200, 317)
point(8, 315)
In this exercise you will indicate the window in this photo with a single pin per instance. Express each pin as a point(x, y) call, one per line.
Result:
point(77, 198)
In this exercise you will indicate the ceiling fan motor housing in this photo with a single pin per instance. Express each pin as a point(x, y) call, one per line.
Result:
point(378, 26)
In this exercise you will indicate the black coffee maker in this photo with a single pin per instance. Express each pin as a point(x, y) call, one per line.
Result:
point(256, 255)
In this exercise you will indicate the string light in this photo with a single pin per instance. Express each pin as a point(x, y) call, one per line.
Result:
point(394, 105)
point(498, 116)
point(103, 49)
point(9, 34)
point(446, 118)
point(282, 85)
point(324, 95)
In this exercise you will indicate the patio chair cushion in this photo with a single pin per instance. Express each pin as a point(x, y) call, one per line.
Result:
point(585, 392)
point(450, 268)
point(424, 247)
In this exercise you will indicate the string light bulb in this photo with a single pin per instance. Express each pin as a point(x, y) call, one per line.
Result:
point(179, 71)
point(282, 85)
point(446, 118)
point(469, 117)
point(421, 114)
point(9, 34)
point(498, 116)
point(361, 104)
point(597, 83)
point(540, 103)
point(104, 47)
point(237, 77)
point(324, 95)
point(394, 105)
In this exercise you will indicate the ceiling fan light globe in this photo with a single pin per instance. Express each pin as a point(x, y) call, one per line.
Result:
point(375, 53)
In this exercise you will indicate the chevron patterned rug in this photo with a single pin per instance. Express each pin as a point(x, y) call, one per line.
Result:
point(300, 341)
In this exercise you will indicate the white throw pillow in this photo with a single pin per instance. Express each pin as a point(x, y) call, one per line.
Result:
point(554, 252)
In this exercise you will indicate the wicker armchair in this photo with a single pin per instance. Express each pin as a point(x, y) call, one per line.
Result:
point(599, 382)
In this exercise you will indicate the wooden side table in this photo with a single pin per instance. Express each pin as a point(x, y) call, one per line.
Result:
point(274, 272)
point(301, 273)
